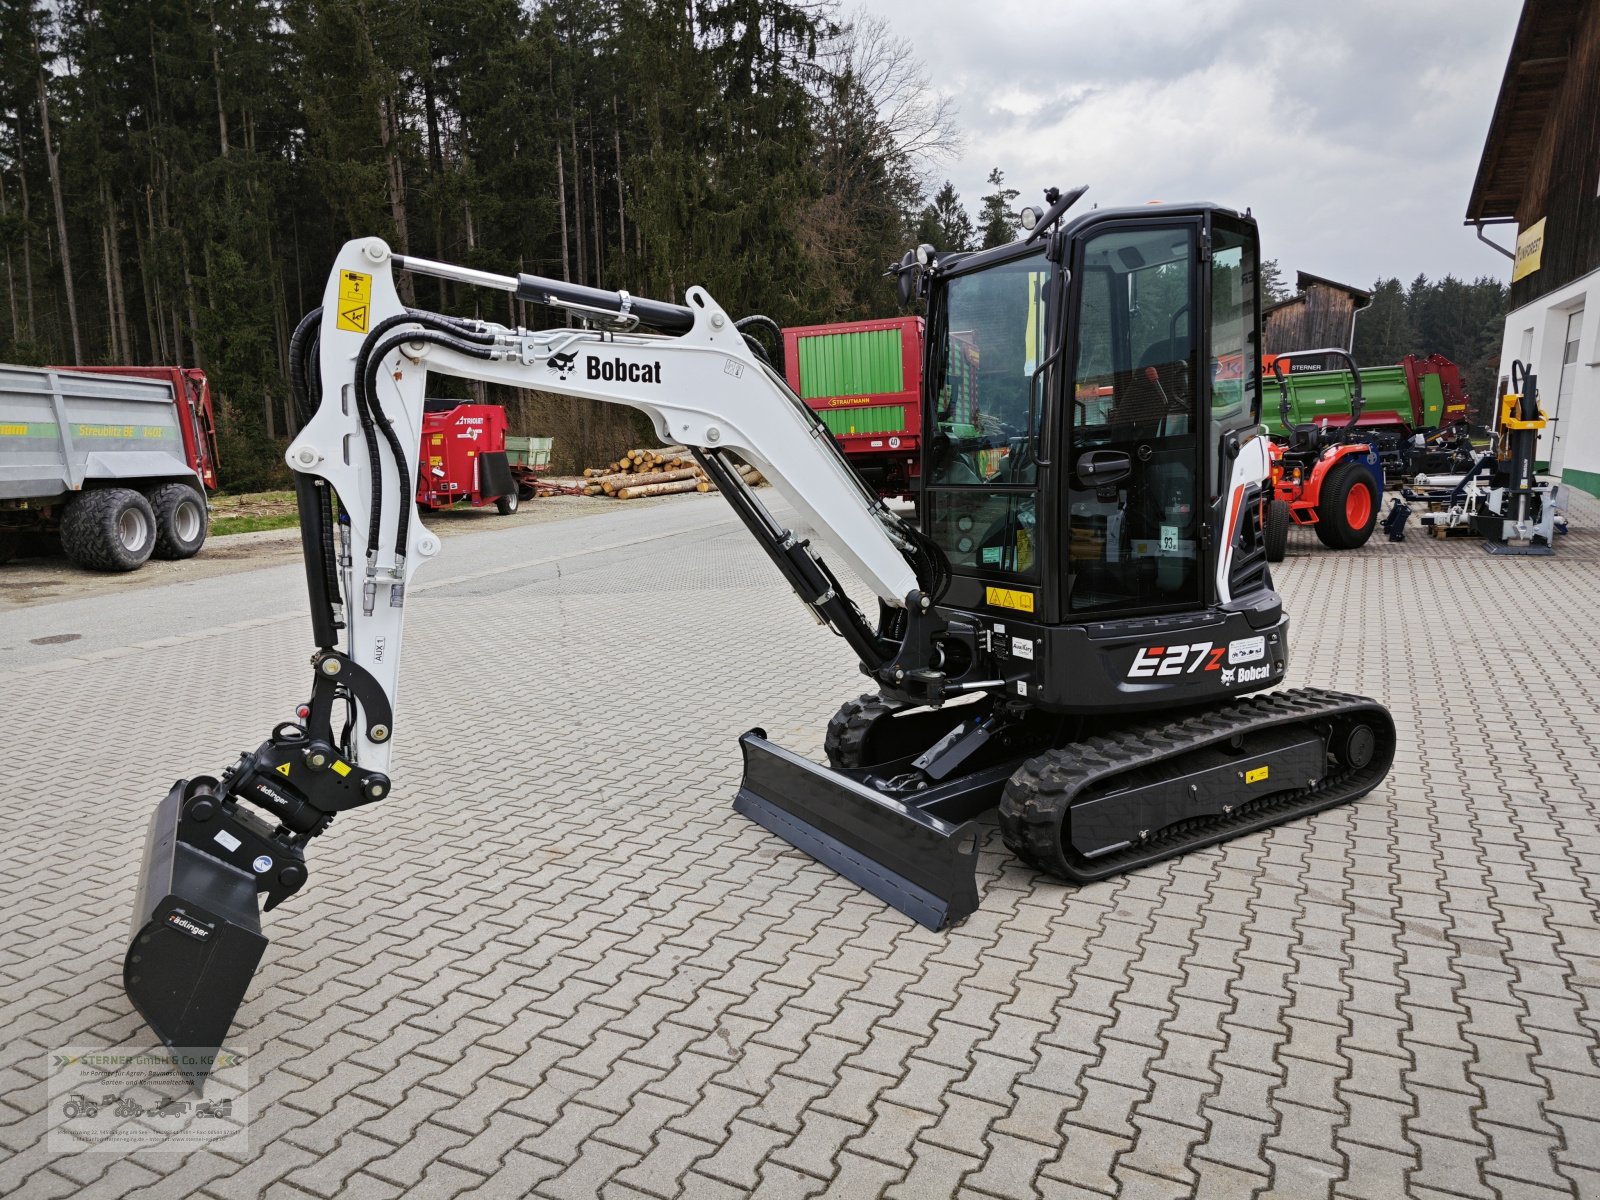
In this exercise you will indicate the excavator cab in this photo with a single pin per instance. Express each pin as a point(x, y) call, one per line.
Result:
point(1075, 384)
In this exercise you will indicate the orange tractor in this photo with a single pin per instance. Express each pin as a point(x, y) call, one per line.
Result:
point(1321, 476)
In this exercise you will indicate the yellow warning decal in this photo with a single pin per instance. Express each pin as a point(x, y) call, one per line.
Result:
point(1256, 775)
point(282, 769)
point(1008, 598)
point(340, 768)
point(355, 301)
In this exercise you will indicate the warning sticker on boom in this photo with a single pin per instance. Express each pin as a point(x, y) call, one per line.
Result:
point(355, 301)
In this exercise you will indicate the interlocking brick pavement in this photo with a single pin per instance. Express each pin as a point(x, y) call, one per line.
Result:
point(556, 963)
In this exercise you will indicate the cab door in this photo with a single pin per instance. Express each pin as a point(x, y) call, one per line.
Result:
point(1134, 491)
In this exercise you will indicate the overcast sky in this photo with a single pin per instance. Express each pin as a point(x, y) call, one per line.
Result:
point(1352, 128)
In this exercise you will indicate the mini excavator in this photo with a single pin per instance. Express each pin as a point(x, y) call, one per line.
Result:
point(1074, 631)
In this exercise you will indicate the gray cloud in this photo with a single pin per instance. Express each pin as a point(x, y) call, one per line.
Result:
point(1352, 129)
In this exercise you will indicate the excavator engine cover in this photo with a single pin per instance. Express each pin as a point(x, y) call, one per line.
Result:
point(196, 938)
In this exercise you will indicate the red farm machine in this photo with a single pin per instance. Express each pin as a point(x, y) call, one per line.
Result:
point(468, 459)
point(864, 379)
point(1339, 435)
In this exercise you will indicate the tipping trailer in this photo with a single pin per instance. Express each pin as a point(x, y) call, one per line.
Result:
point(116, 461)
point(1419, 398)
point(864, 380)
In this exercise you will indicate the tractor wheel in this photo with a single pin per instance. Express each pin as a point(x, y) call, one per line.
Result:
point(1275, 530)
point(111, 529)
point(1348, 509)
point(866, 731)
point(507, 504)
point(180, 520)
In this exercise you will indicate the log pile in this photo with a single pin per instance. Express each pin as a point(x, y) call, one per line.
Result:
point(653, 472)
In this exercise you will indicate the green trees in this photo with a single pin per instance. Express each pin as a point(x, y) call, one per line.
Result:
point(998, 216)
point(1462, 321)
point(944, 223)
point(209, 156)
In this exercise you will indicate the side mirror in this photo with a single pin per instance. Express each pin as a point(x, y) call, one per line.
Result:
point(906, 277)
point(1097, 467)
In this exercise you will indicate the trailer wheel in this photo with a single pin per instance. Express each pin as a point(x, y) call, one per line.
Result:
point(1275, 530)
point(111, 529)
point(1347, 509)
point(507, 504)
point(180, 520)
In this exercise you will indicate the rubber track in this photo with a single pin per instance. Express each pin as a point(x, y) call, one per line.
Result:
point(1030, 810)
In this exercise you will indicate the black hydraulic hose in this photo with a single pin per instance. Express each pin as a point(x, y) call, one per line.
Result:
point(756, 320)
point(299, 343)
point(367, 382)
point(370, 409)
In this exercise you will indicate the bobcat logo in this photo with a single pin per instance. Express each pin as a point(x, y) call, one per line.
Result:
point(562, 364)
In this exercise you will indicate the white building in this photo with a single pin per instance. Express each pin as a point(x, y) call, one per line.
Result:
point(1540, 172)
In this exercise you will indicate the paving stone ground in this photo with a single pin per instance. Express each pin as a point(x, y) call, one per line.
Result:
point(556, 962)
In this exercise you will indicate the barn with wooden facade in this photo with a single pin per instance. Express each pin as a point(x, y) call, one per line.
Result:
point(1321, 313)
point(1540, 172)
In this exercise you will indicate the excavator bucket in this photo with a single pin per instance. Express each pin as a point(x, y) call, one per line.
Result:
point(196, 942)
point(917, 852)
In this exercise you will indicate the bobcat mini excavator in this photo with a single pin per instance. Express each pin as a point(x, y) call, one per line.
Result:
point(1068, 632)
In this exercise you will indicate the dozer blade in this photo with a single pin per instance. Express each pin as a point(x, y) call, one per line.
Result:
point(917, 852)
point(196, 942)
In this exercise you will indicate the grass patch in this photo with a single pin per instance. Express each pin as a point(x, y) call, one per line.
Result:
point(251, 512)
point(222, 526)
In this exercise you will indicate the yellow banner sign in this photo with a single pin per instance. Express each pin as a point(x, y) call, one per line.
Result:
point(1530, 249)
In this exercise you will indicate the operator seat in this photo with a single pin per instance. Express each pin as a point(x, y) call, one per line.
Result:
point(1161, 385)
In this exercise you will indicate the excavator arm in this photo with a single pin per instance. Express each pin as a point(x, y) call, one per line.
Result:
point(217, 845)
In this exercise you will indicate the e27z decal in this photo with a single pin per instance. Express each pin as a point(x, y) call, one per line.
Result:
point(1152, 661)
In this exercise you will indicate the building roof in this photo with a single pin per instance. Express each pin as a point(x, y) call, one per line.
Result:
point(1304, 279)
point(1534, 75)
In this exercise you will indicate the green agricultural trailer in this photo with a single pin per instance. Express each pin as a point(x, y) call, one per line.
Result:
point(1419, 397)
point(864, 379)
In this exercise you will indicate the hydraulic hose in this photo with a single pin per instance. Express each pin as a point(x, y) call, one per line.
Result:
point(756, 320)
point(299, 352)
point(367, 383)
point(370, 410)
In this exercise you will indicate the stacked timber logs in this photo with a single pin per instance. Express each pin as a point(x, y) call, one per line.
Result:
point(648, 472)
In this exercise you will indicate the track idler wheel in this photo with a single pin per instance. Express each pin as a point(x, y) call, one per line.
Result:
point(870, 730)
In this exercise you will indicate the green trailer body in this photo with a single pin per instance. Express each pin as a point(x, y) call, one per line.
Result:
point(863, 379)
point(1415, 394)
